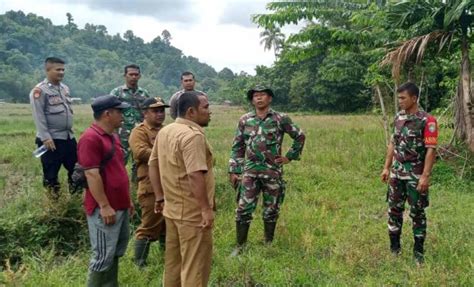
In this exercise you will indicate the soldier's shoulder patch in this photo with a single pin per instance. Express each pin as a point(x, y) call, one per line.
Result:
point(432, 127)
point(36, 93)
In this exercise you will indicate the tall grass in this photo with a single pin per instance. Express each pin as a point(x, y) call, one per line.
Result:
point(331, 231)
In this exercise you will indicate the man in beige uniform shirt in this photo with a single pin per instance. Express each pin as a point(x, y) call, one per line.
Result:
point(180, 171)
point(142, 138)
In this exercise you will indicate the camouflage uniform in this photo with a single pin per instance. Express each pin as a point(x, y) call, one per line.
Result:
point(261, 141)
point(413, 134)
point(132, 115)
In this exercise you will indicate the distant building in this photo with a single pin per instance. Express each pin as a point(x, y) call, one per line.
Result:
point(76, 100)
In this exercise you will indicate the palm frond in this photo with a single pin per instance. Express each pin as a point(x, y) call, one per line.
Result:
point(413, 48)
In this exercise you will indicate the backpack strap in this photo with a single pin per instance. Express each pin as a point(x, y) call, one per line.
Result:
point(109, 155)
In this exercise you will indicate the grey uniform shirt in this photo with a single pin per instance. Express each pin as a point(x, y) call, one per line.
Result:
point(52, 112)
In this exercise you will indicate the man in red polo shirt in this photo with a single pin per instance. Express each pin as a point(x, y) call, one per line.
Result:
point(107, 200)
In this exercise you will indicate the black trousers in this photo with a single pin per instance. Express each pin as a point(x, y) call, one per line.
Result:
point(65, 154)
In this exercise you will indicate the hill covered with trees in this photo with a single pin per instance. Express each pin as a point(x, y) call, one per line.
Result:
point(95, 59)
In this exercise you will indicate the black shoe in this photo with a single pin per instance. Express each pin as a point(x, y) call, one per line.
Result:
point(395, 247)
point(53, 192)
point(269, 230)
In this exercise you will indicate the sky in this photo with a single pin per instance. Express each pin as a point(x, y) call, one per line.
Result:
point(217, 32)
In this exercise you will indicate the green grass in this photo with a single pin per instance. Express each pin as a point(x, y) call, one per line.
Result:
point(331, 231)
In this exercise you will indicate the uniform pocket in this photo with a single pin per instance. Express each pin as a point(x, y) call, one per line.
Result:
point(55, 104)
point(56, 109)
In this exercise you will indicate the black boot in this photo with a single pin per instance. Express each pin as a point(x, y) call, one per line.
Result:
point(395, 247)
point(242, 232)
point(142, 248)
point(269, 230)
point(418, 250)
point(162, 241)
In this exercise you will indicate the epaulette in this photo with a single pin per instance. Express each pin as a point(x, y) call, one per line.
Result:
point(195, 129)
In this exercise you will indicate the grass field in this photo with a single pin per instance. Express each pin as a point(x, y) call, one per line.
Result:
point(331, 231)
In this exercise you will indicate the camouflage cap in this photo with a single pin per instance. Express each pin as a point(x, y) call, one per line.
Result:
point(154, 103)
point(259, 88)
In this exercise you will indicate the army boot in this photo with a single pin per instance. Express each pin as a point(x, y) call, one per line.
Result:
point(418, 251)
point(142, 248)
point(395, 247)
point(269, 231)
point(242, 232)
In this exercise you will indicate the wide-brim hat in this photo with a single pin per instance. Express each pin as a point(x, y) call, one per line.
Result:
point(102, 103)
point(154, 103)
point(259, 88)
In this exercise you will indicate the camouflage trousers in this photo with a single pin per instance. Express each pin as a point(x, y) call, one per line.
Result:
point(124, 134)
point(273, 190)
point(399, 191)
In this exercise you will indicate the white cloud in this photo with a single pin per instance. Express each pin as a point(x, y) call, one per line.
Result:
point(233, 44)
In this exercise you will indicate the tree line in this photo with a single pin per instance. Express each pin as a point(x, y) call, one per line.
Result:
point(351, 55)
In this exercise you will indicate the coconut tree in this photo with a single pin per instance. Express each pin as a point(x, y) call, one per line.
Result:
point(272, 38)
point(448, 26)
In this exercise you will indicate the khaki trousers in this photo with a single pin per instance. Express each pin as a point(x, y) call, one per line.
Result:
point(188, 254)
point(151, 226)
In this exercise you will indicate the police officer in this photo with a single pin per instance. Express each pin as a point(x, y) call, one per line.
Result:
point(133, 95)
point(408, 164)
point(53, 116)
point(142, 138)
point(256, 162)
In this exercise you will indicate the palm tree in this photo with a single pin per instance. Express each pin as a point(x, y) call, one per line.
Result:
point(272, 38)
point(452, 22)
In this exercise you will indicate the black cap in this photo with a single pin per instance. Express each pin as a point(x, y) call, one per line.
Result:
point(108, 102)
point(154, 103)
point(259, 88)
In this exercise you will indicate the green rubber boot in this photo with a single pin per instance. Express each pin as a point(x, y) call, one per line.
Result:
point(142, 248)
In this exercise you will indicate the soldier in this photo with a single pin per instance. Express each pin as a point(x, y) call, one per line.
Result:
point(141, 141)
point(134, 95)
point(410, 158)
point(256, 163)
point(53, 116)
point(187, 82)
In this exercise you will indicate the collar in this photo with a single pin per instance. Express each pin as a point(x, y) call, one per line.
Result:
point(419, 114)
point(99, 130)
point(126, 88)
point(150, 127)
point(189, 123)
point(47, 82)
point(270, 112)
